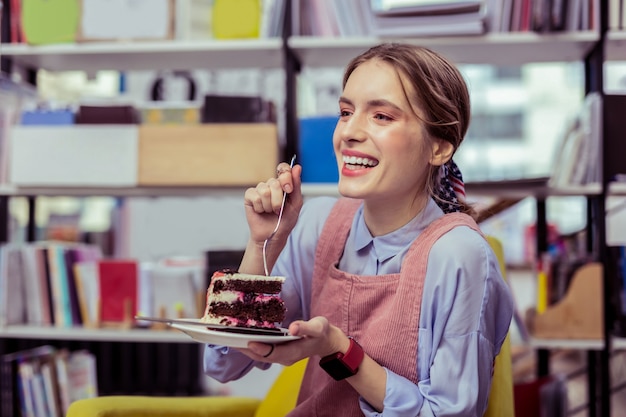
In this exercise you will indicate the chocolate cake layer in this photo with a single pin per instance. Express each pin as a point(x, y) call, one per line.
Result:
point(272, 310)
point(248, 286)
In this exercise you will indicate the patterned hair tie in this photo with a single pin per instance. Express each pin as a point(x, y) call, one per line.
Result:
point(451, 188)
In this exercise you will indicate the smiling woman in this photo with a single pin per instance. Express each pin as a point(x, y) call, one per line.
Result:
point(400, 242)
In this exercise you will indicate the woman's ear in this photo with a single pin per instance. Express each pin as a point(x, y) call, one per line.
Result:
point(442, 152)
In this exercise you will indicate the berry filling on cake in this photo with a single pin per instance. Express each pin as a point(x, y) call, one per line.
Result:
point(244, 300)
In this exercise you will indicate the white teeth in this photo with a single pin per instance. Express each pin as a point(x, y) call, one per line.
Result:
point(353, 160)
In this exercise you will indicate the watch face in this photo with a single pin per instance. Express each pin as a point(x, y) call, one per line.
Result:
point(335, 368)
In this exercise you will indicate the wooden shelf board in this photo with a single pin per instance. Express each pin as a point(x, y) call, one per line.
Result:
point(162, 55)
point(106, 334)
point(528, 188)
point(493, 48)
point(586, 344)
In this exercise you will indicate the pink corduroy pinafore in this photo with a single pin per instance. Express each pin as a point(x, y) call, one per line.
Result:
point(381, 312)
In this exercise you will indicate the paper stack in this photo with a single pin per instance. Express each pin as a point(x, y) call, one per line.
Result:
point(429, 17)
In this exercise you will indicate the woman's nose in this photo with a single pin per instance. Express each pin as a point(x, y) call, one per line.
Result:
point(354, 128)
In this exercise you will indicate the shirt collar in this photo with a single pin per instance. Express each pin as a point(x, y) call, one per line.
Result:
point(387, 246)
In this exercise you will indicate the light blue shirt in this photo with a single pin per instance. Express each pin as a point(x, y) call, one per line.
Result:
point(465, 314)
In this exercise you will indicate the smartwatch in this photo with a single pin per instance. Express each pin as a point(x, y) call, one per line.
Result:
point(343, 365)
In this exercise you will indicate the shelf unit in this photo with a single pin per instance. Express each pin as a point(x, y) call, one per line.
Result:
point(294, 53)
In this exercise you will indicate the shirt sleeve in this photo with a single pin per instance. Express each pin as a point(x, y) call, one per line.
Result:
point(465, 316)
point(224, 364)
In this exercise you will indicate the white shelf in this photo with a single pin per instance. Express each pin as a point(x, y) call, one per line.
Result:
point(308, 189)
point(162, 55)
point(617, 189)
point(619, 343)
point(493, 189)
point(170, 191)
point(315, 190)
point(494, 48)
point(582, 344)
point(106, 334)
point(615, 47)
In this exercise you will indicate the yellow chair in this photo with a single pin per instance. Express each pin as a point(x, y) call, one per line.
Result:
point(280, 399)
point(282, 396)
point(501, 401)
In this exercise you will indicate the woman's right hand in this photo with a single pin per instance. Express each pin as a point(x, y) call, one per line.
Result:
point(263, 202)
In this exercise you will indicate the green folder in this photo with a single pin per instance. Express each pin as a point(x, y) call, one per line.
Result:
point(50, 21)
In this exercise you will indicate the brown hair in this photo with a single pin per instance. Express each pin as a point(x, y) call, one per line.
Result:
point(438, 90)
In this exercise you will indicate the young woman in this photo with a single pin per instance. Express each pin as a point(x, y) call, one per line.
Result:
point(393, 284)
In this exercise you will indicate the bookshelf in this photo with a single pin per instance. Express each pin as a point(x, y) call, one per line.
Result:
point(292, 54)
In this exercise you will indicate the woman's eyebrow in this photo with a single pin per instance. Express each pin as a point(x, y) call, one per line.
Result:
point(343, 100)
point(383, 103)
point(372, 103)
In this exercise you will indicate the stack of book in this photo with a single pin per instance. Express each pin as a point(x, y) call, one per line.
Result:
point(65, 284)
point(429, 17)
point(44, 381)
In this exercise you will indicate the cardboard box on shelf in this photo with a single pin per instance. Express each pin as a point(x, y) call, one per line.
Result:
point(240, 154)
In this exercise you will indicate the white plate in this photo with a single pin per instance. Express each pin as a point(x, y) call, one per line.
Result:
point(216, 337)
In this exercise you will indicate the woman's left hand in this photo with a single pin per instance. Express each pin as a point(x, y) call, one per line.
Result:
point(318, 338)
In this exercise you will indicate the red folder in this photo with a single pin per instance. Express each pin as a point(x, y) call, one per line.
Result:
point(118, 286)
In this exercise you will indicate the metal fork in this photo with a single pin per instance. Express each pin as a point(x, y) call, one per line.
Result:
point(280, 216)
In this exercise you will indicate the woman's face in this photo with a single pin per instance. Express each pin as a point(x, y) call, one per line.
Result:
point(379, 142)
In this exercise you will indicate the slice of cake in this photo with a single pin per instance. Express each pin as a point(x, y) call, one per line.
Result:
point(244, 300)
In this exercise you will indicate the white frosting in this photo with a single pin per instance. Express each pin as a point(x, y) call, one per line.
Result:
point(248, 277)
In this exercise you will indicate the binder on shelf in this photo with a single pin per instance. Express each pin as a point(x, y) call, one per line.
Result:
point(126, 20)
point(59, 282)
point(47, 117)
point(88, 292)
point(237, 109)
point(109, 115)
point(36, 285)
point(316, 153)
point(236, 19)
point(118, 282)
point(613, 134)
point(12, 305)
point(50, 21)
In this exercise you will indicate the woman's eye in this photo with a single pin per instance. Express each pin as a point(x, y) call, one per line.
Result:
point(344, 113)
point(382, 117)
